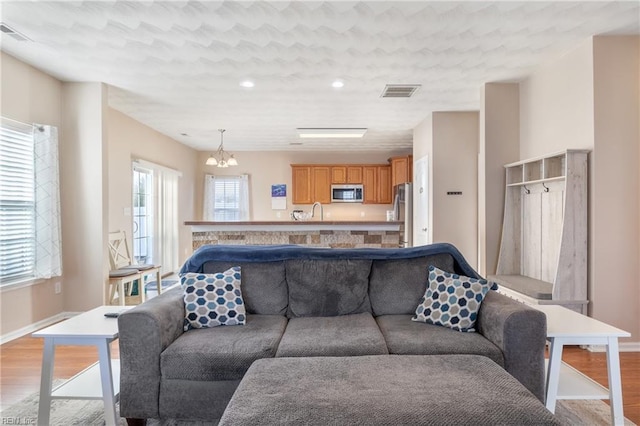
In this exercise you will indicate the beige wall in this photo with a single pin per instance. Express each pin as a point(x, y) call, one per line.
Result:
point(590, 99)
point(556, 105)
point(616, 192)
point(450, 139)
point(29, 95)
point(83, 195)
point(129, 140)
point(455, 168)
point(268, 168)
point(499, 136)
point(96, 144)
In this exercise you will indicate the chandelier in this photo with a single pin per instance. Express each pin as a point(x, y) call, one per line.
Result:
point(221, 158)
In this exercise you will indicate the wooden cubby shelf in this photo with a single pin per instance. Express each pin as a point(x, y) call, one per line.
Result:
point(543, 251)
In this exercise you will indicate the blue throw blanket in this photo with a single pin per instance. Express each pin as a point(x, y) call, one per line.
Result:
point(229, 253)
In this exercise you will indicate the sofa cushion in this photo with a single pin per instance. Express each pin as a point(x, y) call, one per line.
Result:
point(406, 337)
point(211, 300)
point(451, 300)
point(346, 335)
point(324, 288)
point(264, 288)
point(396, 286)
point(222, 353)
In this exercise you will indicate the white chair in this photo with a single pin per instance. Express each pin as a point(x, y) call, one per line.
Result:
point(124, 273)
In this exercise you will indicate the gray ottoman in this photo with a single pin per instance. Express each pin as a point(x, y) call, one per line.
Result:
point(383, 390)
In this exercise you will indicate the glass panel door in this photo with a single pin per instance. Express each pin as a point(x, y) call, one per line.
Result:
point(143, 220)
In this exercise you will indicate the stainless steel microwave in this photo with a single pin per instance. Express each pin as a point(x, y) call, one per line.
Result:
point(347, 193)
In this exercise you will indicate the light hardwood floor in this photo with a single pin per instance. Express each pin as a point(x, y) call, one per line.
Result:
point(21, 361)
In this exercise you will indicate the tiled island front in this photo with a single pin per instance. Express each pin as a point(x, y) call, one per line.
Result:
point(334, 234)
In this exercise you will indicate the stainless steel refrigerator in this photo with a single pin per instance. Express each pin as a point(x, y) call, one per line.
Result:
point(403, 207)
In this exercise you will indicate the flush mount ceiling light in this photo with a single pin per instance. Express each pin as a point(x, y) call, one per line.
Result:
point(247, 83)
point(221, 158)
point(7, 30)
point(337, 84)
point(331, 133)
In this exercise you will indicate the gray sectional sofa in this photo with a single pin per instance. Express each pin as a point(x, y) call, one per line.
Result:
point(309, 302)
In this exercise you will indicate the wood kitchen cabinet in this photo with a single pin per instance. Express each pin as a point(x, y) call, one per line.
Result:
point(346, 174)
point(401, 169)
point(301, 182)
point(310, 184)
point(377, 184)
point(321, 184)
point(370, 184)
point(338, 174)
point(385, 189)
point(354, 174)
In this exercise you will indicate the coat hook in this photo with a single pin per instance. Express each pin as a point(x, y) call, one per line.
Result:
point(526, 190)
point(546, 188)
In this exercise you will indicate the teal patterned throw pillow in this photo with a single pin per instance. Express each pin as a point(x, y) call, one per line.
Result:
point(451, 300)
point(211, 300)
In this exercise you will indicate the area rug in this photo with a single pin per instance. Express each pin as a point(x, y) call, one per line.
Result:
point(90, 413)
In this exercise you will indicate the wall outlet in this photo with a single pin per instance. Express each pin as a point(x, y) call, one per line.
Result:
point(361, 214)
point(57, 287)
point(127, 211)
point(328, 214)
point(278, 214)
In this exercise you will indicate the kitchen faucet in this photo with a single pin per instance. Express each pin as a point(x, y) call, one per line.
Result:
point(313, 209)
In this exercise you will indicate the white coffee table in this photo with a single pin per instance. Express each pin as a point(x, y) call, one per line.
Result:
point(89, 328)
point(566, 327)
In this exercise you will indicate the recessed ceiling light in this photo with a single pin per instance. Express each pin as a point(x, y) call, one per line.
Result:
point(331, 133)
point(337, 84)
point(184, 134)
point(247, 83)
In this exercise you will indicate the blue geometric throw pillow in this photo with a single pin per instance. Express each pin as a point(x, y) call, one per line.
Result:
point(451, 300)
point(211, 300)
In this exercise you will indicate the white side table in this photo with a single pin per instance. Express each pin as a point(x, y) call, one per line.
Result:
point(89, 328)
point(566, 327)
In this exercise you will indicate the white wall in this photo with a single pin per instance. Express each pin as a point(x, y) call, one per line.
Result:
point(29, 95)
point(451, 141)
point(423, 145)
point(268, 168)
point(590, 99)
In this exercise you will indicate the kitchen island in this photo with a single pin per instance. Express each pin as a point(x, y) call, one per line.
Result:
point(334, 234)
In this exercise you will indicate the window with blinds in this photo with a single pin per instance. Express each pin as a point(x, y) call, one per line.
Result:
point(226, 204)
point(17, 201)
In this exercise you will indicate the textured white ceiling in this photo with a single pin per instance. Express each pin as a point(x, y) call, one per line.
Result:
point(176, 66)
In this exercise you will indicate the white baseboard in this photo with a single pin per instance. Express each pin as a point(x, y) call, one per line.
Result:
point(36, 326)
point(624, 347)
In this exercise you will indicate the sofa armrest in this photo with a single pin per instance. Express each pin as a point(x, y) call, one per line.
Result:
point(520, 331)
point(144, 332)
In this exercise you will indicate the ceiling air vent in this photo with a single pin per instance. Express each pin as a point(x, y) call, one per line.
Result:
point(399, 90)
point(5, 29)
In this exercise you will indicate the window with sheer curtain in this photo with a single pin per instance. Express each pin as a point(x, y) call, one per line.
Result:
point(226, 198)
point(30, 234)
